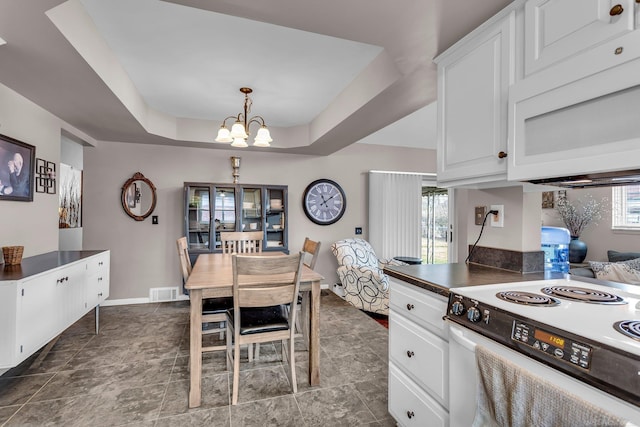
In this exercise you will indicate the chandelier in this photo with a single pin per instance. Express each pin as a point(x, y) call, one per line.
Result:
point(240, 130)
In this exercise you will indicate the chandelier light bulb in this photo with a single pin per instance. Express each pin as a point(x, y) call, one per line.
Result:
point(223, 135)
point(239, 131)
point(239, 142)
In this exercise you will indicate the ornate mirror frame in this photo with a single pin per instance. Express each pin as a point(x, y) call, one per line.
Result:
point(124, 197)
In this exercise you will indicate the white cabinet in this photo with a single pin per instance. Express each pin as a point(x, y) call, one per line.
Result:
point(474, 77)
point(36, 308)
point(556, 30)
point(418, 356)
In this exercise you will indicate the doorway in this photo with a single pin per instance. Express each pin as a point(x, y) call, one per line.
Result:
point(435, 225)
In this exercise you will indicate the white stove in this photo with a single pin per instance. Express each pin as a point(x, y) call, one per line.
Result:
point(587, 331)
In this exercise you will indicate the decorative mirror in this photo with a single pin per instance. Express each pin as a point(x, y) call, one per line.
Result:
point(138, 197)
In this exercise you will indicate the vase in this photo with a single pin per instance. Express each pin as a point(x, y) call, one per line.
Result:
point(577, 250)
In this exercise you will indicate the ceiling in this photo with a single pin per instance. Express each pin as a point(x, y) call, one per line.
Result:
point(325, 74)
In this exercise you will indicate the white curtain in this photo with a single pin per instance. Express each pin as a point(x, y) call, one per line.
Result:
point(395, 214)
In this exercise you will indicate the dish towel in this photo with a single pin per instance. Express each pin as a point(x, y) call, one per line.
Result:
point(509, 396)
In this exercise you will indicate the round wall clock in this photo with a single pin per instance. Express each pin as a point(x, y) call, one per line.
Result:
point(324, 201)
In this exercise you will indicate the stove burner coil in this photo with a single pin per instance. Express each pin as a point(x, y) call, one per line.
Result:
point(527, 298)
point(630, 328)
point(583, 295)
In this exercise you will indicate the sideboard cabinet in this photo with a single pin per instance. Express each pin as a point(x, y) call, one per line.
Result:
point(44, 295)
point(210, 209)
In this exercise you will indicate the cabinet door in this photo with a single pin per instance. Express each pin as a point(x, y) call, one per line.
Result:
point(556, 30)
point(38, 317)
point(276, 219)
point(198, 216)
point(70, 294)
point(224, 211)
point(251, 218)
point(473, 82)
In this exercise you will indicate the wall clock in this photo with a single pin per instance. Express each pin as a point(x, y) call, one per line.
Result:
point(324, 201)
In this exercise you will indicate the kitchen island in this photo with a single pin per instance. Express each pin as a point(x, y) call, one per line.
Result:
point(419, 337)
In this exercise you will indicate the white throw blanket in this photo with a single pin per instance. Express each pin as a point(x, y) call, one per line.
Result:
point(509, 396)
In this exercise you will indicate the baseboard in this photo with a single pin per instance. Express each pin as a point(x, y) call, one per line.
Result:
point(130, 301)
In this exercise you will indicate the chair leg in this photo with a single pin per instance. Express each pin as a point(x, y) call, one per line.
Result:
point(250, 352)
point(292, 364)
point(236, 374)
point(257, 353)
point(229, 349)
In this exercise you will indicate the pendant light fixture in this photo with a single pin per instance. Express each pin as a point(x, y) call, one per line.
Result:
point(239, 132)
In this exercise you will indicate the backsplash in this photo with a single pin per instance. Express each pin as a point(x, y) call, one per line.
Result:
point(523, 262)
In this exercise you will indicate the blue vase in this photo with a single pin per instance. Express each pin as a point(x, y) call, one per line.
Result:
point(577, 250)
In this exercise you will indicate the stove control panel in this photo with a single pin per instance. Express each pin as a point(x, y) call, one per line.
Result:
point(554, 345)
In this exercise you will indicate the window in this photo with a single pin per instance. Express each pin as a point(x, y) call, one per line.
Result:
point(626, 207)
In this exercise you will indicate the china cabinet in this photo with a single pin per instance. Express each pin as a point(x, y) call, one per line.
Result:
point(212, 208)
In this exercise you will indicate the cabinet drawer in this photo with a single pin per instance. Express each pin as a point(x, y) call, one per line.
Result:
point(421, 355)
point(410, 406)
point(420, 306)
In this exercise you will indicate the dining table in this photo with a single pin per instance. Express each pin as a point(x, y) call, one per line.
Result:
point(212, 277)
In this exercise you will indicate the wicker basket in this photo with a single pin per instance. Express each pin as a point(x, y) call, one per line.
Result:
point(12, 254)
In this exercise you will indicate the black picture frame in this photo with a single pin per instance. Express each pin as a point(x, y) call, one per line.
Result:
point(16, 185)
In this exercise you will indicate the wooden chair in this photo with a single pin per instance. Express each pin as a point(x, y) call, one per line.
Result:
point(213, 309)
point(310, 251)
point(262, 287)
point(241, 242)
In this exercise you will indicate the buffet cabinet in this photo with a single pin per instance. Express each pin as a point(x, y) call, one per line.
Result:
point(418, 356)
point(210, 209)
point(46, 294)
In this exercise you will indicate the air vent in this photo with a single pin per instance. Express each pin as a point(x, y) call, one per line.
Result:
point(163, 294)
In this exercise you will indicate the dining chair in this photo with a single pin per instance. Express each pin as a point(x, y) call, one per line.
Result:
point(262, 289)
point(241, 242)
point(213, 309)
point(310, 251)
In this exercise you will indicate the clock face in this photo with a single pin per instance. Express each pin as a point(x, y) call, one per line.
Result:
point(324, 202)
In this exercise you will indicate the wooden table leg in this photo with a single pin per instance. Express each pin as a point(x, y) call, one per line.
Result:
point(195, 348)
point(314, 335)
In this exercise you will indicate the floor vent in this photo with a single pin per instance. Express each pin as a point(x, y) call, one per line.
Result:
point(163, 294)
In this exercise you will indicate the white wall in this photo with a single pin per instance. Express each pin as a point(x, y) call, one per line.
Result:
point(33, 225)
point(143, 255)
point(599, 238)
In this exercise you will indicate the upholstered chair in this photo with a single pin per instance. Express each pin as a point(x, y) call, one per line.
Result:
point(360, 272)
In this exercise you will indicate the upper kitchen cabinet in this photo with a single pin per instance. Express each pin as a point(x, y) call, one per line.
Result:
point(214, 208)
point(474, 76)
point(558, 30)
point(579, 115)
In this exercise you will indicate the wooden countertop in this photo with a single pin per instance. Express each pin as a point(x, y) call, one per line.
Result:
point(439, 278)
point(37, 264)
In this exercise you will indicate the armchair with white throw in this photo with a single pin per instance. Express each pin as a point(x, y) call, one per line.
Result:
point(360, 272)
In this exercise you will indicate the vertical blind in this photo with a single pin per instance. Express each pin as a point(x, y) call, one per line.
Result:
point(395, 214)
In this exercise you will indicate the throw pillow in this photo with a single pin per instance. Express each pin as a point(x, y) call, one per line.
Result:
point(615, 256)
point(623, 272)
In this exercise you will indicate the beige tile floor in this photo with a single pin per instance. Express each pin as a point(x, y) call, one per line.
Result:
point(135, 373)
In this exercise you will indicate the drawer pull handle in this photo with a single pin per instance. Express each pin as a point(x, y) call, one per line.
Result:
point(616, 10)
point(502, 155)
point(410, 354)
point(410, 414)
point(410, 306)
point(618, 50)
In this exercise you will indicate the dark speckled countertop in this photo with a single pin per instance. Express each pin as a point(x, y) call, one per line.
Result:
point(40, 263)
point(439, 278)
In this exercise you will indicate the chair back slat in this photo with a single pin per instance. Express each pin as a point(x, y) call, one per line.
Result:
point(183, 255)
point(241, 242)
point(260, 281)
point(311, 249)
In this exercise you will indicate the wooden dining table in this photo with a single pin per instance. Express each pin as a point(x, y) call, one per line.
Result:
point(212, 276)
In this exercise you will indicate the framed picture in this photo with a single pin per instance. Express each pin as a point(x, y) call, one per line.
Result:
point(547, 199)
point(17, 163)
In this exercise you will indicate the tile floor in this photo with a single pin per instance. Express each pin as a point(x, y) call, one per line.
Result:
point(135, 373)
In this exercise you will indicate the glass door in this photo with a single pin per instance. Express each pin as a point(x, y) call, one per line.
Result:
point(251, 209)
point(198, 218)
point(275, 217)
point(224, 212)
point(435, 225)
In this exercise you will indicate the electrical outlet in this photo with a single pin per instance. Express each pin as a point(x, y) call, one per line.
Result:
point(497, 220)
point(481, 211)
point(154, 219)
